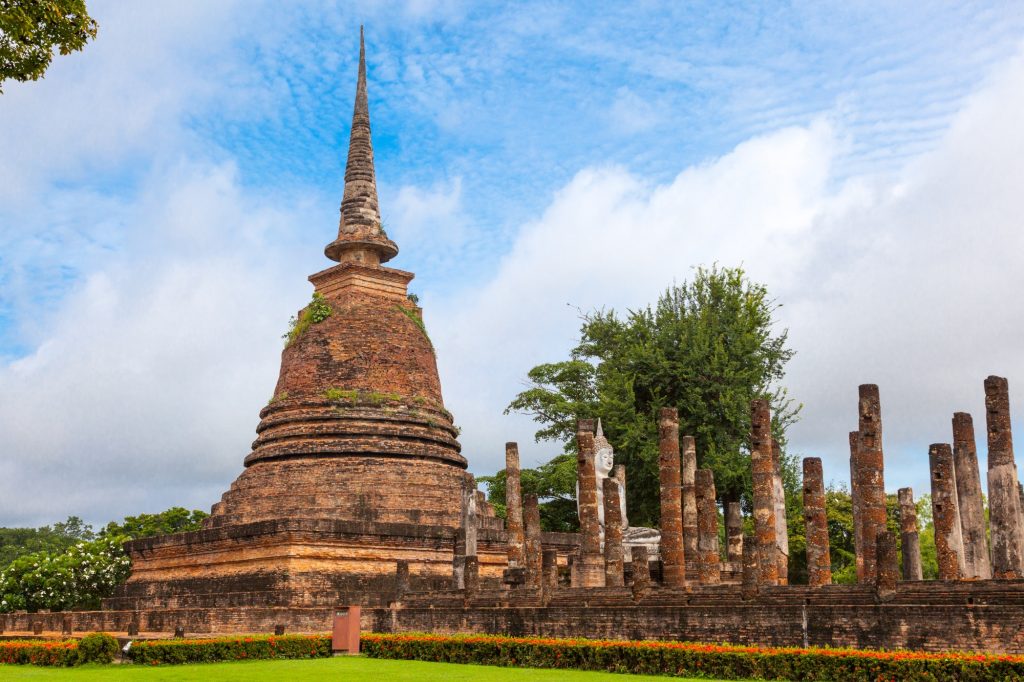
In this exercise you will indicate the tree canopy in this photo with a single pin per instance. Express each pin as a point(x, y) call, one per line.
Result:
point(30, 31)
point(707, 347)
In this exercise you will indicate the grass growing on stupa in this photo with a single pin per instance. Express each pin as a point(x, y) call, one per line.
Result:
point(342, 667)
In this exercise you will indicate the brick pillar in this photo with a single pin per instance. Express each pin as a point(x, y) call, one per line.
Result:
point(948, 543)
point(672, 557)
point(549, 570)
point(513, 506)
point(471, 575)
point(531, 546)
point(819, 564)
point(734, 532)
point(871, 479)
point(858, 540)
point(909, 536)
point(613, 561)
point(764, 498)
point(968, 499)
point(779, 501)
point(689, 472)
point(401, 578)
point(1004, 502)
point(641, 570)
point(887, 573)
point(619, 472)
point(590, 570)
point(709, 567)
point(750, 572)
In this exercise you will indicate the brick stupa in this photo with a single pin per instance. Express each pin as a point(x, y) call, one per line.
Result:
point(356, 467)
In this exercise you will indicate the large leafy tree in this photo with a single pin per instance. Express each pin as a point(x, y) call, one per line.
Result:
point(707, 347)
point(30, 31)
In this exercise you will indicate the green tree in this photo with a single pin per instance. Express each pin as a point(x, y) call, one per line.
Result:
point(554, 482)
point(706, 347)
point(30, 31)
point(174, 520)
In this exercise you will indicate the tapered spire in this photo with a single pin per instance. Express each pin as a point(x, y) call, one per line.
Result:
point(360, 235)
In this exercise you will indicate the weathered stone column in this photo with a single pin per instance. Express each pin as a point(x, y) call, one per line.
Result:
point(590, 571)
point(619, 472)
point(1004, 503)
point(472, 575)
point(909, 536)
point(819, 564)
point(781, 526)
point(689, 472)
point(948, 543)
point(709, 568)
point(402, 578)
point(513, 506)
point(672, 558)
point(532, 547)
point(549, 569)
point(466, 539)
point(871, 479)
point(858, 539)
point(641, 570)
point(887, 573)
point(734, 532)
point(613, 561)
point(764, 499)
point(750, 571)
point(968, 499)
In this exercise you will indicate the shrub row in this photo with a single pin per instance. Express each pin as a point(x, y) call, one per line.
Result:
point(95, 648)
point(695, 660)
point(171, 651)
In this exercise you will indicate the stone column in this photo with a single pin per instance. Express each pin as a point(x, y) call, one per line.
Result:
point(750, 572)
point(619, 472)
point(472, 575)
point(764, 501)
point(1004, 502)
point(887, 573)
point(870, 476)
point(781, 527)
point(909, 536)
point(689, 472)
point(709, 568)
point(549, 570)
point(641, 570)
point(672, 558)
point(734, 532)
point(819, 564)
point(513, 506)
point(531, 546)
point(590, 570)
point(968, 498)
point(613, 561)
point(949, 551)
point(858, 540)
point(466, 539)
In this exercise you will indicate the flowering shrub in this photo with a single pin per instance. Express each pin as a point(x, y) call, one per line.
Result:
point(35, 652)
point(695, 660)
point(78, 577)
point(98, 647)
point(162, 651)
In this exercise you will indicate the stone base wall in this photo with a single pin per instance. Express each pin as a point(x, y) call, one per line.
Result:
point(924, 616)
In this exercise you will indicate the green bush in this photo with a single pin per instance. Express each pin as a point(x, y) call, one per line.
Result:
point(98, 647)
point(695, 660)
point(174, 651)
point(316, 312)
point(35, 652)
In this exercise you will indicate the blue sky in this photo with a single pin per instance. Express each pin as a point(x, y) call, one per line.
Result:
point(166, 192)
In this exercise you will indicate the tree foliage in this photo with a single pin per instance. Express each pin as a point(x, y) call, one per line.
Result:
point(707, 347)
point(30, 31)
point(69, 566)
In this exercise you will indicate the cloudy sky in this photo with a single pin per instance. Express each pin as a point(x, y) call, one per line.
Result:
point(165, 193)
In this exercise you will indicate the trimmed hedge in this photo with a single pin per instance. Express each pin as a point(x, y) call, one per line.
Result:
point(256, 647)
point(37, 652)
point(695, 660)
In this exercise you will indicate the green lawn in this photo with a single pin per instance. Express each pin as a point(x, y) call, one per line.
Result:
point(346, 667)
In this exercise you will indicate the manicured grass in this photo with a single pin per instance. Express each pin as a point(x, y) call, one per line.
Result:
point(342, 667)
